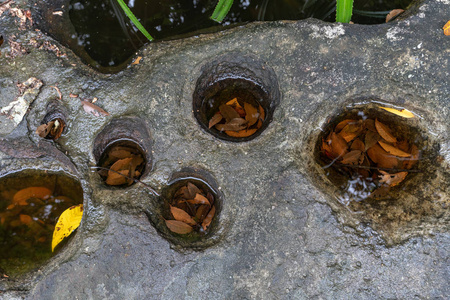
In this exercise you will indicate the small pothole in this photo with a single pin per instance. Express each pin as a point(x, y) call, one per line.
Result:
point(30, 205)
point(122, 151)
point(384, 168)
point(122, 161)
point(189, 208)
point(235, 97)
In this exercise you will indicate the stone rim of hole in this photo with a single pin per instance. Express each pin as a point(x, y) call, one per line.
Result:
point(131, 130)
point(391, 227)
point(241, 72)
point(160, 210)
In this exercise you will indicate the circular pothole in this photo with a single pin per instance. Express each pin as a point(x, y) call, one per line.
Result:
point(122, 151)
point(384, 168)
point(53, 125)
point(235, 97)
point(189, 209)
point(30, 204)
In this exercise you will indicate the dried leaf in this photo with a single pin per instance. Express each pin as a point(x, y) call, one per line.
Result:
point(251, 114)
point(44, 129)
point(371, 139)
point(118, 153)
point(358, 145)
point(137, 60)
point(338, 145)
point(199, 199)
point(21, 197)
point(393, 150)
point(241, 133)
point(392, 179)
point(446, 28)
point(402, 112)
point(383, 159)
point(228, 112)
point(117, 178)
point(68, 221)
point(369, 124)
point(235, 124)
point(394, 13)
point(121, 164)
point(380, 192)
point(384, 132)
point(234, 102)
point(25, 219)
point(193, 190)
point(343, 123)
point(93, 109)
point(351, 131)
point(201, 213)
point(178, 227)
point(181, 215)
point(262, 114)
point(353, 158)
point(209, 218)
point(215, 119)
point(210, 198)
point(403, 145)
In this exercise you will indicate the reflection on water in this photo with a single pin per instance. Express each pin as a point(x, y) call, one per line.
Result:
point(30, 204)
point(110, 38)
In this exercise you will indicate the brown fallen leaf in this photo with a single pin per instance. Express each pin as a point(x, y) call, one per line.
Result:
point(408, 164)
point(338, 145)
point(117, 178)
point(371, 139)
point(193, 190)
point(241, 133)
point(358, 145)
point(235, 124)
point(137, 60)
point(393, 14)
point(199, 199)
point(25, 219)
point(215, 119)
point(446, 28)
point(234, 102)
point(181, 215)
point(392, 179)
point(351, 131)
point(251, 114)
point(383, 159)
point(228, 112)
point(369, 124)
point(207, 221)
point(379, 192)
point(21, 197)
point(354, 157)
point(178, 227)
point(202, 212)
point(343, 123)
point(384, 132)
point(93, 109)
point(52, 129)
point(393, 150)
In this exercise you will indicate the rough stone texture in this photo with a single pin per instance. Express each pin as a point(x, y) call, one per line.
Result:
point(283, 235)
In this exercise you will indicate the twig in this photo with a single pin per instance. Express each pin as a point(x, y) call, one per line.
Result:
point(377, 168)
point(130, 178)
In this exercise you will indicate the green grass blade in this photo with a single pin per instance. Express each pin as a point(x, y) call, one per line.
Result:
point(221, 10)
point(134, 20)
point(344, 10)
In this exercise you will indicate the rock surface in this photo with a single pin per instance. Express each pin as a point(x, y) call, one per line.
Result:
point(281, 233)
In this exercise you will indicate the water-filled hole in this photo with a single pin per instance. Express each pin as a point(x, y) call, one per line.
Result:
point(30, 204)
point(369, 153)
point(235, 97)
point(121, 162)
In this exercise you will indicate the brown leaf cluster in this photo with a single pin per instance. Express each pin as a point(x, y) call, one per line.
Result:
point(51, 130)
point(30, 214)
point(237, 120)
point(369, 149)
point(192, 209)
point(124, 164)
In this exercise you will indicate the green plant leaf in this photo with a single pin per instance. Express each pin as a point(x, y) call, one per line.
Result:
point(134, 20)
point(221, 10)
point(344, 9)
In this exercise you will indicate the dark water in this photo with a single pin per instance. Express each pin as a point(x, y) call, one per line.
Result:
point(27, 223)
point(110, 38)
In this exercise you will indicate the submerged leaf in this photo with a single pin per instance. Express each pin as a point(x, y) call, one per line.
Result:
point(383, 159)
point(199, 199)
point(251, 114)
point(68, 221)
point(215, 119)
point(392, 179)
point(178, 227)
point(180, 215)
point(228, 112)
point(207, 221)
point(241, 133)
point(393, 150)
point(21, 197)
point(385, 132)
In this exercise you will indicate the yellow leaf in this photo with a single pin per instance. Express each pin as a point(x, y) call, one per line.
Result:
point(402, 112)
point(68, 221)
point(447, 28)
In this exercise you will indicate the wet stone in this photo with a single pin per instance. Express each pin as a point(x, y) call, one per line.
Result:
point(283, 231)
